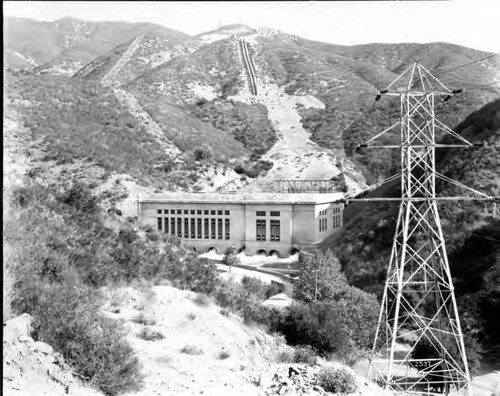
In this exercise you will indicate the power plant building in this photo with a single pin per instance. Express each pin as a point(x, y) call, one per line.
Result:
point(253, 223)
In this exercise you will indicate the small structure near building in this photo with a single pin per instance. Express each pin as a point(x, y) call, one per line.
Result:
point(254, 223)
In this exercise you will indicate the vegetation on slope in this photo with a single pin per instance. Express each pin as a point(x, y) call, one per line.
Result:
point(247, 123)
point(76, 119)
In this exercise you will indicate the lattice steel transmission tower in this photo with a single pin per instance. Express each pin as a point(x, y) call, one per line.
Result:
point(418, 300)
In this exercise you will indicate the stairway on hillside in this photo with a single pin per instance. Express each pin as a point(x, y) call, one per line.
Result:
point(110, 76)
point(248, 66)
point(149, 124)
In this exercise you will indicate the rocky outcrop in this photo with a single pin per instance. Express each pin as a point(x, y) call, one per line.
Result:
point(33, 367)
point(296, 380)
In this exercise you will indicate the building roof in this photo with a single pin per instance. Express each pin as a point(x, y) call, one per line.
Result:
point(250, 198)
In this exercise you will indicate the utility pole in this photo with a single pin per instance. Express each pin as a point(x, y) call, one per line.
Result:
point(418, 298)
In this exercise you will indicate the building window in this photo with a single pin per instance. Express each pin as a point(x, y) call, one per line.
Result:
point(172, 225)
point(186, 211)
point(212, 212)
point(179, 227)
point(179, 211)
point(165, 211)
point(275, 230)
point(198, 212)
point(186, 228)
point(193, 231)
point(166, 224)
point(219, 228)
point(192, 211)
point(219, 212)
point(206, 228)
point(261, 230)
point(260, 213)
point(159, 211)
point(199, 227)
point(160, 221)
point(226, 212)
point(227, 228)
point(212, 229)
point(275, 214)
point(206, 212)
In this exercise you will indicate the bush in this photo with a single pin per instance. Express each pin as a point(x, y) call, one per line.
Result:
point(336, 380)
point(68, 319)
point(203, 153)
point(223, 355)
point(144, 319)
point(316, 324)
point(201, 299)
point(191, 350)
point(150, 335)
point(300, 354)
point(304, 354)
point(230, 256)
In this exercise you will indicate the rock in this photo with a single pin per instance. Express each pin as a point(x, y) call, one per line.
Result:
point(20, 326)
point(43, 347)
point(292, 371)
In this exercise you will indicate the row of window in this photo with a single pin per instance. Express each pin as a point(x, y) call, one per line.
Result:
point(261, 213)
point(192, 211)
point(325, 212)
point(196, 228)
point(323, 223)
point(261, 231)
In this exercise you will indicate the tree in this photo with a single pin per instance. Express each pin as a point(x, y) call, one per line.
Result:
point(230, 258)
point(320, 278)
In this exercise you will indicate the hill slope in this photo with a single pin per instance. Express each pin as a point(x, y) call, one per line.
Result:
point(65, 45)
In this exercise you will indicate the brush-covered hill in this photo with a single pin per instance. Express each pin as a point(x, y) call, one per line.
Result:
point(313, 106)
point(470, 229)
point(66, 45)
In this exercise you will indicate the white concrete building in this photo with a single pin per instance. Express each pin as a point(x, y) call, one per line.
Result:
point(254, 223)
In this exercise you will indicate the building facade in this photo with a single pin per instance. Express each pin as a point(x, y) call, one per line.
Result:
point(253, 223)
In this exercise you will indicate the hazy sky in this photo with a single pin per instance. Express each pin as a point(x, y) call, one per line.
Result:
point(472, 23)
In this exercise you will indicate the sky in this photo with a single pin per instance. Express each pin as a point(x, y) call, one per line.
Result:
point(471, 23)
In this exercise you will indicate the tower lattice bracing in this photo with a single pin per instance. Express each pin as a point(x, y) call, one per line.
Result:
point(418, 303)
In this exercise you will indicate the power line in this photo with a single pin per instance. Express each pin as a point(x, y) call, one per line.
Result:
point(467, 64)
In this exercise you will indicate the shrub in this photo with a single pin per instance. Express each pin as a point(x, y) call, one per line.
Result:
point(201, 299)
point(203, 153)
point(317, 325)
point(304, 354)
point(191, 350)
point(150, 335)
point(68, 319)
point(223, 355)
point(144, 319)
point(230, 256)
point(336, 380)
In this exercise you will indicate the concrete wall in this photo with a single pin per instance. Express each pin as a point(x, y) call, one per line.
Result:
point(299, 224)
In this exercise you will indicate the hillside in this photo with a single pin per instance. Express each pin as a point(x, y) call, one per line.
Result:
point(67, 44)
point(194, 91)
